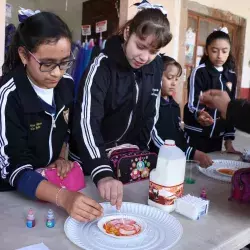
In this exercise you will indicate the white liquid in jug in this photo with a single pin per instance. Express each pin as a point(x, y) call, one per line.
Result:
point(166, 181)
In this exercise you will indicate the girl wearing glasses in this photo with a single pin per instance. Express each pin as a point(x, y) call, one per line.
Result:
point(36, 99)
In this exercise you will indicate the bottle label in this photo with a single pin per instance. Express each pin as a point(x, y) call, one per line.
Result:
point(50, 223)
point(164, 195)
point(30, 223)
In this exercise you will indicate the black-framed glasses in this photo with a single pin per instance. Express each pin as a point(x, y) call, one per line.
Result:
point(49, 66)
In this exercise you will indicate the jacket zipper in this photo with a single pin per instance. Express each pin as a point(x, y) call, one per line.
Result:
point(215, 112)
point(53, 125)
point(131, 114)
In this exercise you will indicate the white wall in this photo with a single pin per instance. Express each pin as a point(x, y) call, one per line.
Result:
point(2, 32)
point(242, 9)
point(73, 15)
point(173, 8)
point(27, 4)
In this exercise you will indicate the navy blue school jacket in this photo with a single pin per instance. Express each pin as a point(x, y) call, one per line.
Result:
point(203, 78)
point(116, 104)
point(30, 136)
point(168, 127)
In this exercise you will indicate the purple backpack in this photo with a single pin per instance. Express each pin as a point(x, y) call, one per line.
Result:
point(241, 185)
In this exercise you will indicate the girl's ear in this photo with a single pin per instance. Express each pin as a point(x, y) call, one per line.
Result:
point(206, 53)
point(23, 55)
point(126, 34)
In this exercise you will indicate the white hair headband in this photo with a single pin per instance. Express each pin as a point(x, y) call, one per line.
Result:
point(144, 4)
point(23, 14)
point(223, 29)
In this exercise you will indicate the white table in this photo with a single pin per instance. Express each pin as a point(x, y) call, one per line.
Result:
point(227, 225)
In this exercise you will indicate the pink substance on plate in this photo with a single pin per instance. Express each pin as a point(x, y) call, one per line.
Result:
point(122, 227)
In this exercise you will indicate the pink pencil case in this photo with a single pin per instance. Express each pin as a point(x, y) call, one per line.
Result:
point(74, 181)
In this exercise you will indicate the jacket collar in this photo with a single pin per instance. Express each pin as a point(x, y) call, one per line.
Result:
point(28, 96)
point(114, 51)
point(170, 101)
point(213, 71)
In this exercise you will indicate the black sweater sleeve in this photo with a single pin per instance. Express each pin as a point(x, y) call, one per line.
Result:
point(238, 114)
point(230, 130)
point(88, 115)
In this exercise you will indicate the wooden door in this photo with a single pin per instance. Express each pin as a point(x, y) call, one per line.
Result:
point(94, 11)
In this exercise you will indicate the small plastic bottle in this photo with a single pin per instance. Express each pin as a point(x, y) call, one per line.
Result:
point(50, 221)
point(30, 221)
point(203, 194)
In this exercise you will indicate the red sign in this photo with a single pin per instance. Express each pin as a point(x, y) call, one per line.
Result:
point(101, 26)
point(86, 30)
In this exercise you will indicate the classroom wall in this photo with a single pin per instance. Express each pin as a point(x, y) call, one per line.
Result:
point(2, 32)
point(72, 16)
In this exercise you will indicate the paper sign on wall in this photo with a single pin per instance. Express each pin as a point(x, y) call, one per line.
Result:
point(86, 30)
point(8, 10)
point(101, 26)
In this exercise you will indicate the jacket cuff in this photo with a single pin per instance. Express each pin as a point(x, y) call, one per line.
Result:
point(229, 136)
point(101, 172)
point(190, 153)
point(100, 168)
point(28, 183)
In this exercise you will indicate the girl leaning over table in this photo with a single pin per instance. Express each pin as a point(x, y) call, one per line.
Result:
point(36, 100)
point(119, 96)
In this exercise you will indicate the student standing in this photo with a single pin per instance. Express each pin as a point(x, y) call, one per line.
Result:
point(204, 126)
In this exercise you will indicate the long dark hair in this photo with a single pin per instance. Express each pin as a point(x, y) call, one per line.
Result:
point(167, 61)
point(41, 28)
point(230, 63)
point(149, 22)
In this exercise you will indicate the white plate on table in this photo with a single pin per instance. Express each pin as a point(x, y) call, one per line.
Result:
point(214, 170)
point(162, 230)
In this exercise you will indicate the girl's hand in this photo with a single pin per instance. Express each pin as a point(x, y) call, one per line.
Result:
point(111, 190)
point(63, 167)
point(79, 206)
point(204, 160)
point(216, 99)
point(204, 118)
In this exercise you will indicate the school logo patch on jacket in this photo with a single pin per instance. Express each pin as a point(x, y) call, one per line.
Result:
point(66, 115)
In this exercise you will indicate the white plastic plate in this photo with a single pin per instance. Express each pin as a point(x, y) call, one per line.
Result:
point(212, 171)
point(162, 232)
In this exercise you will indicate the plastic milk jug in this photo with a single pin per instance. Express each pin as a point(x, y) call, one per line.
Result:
point(166, 180)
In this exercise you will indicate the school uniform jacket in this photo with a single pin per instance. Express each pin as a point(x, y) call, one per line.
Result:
point(203, 78)
point(116, 105)
point(168, 127)
point(30, 137)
